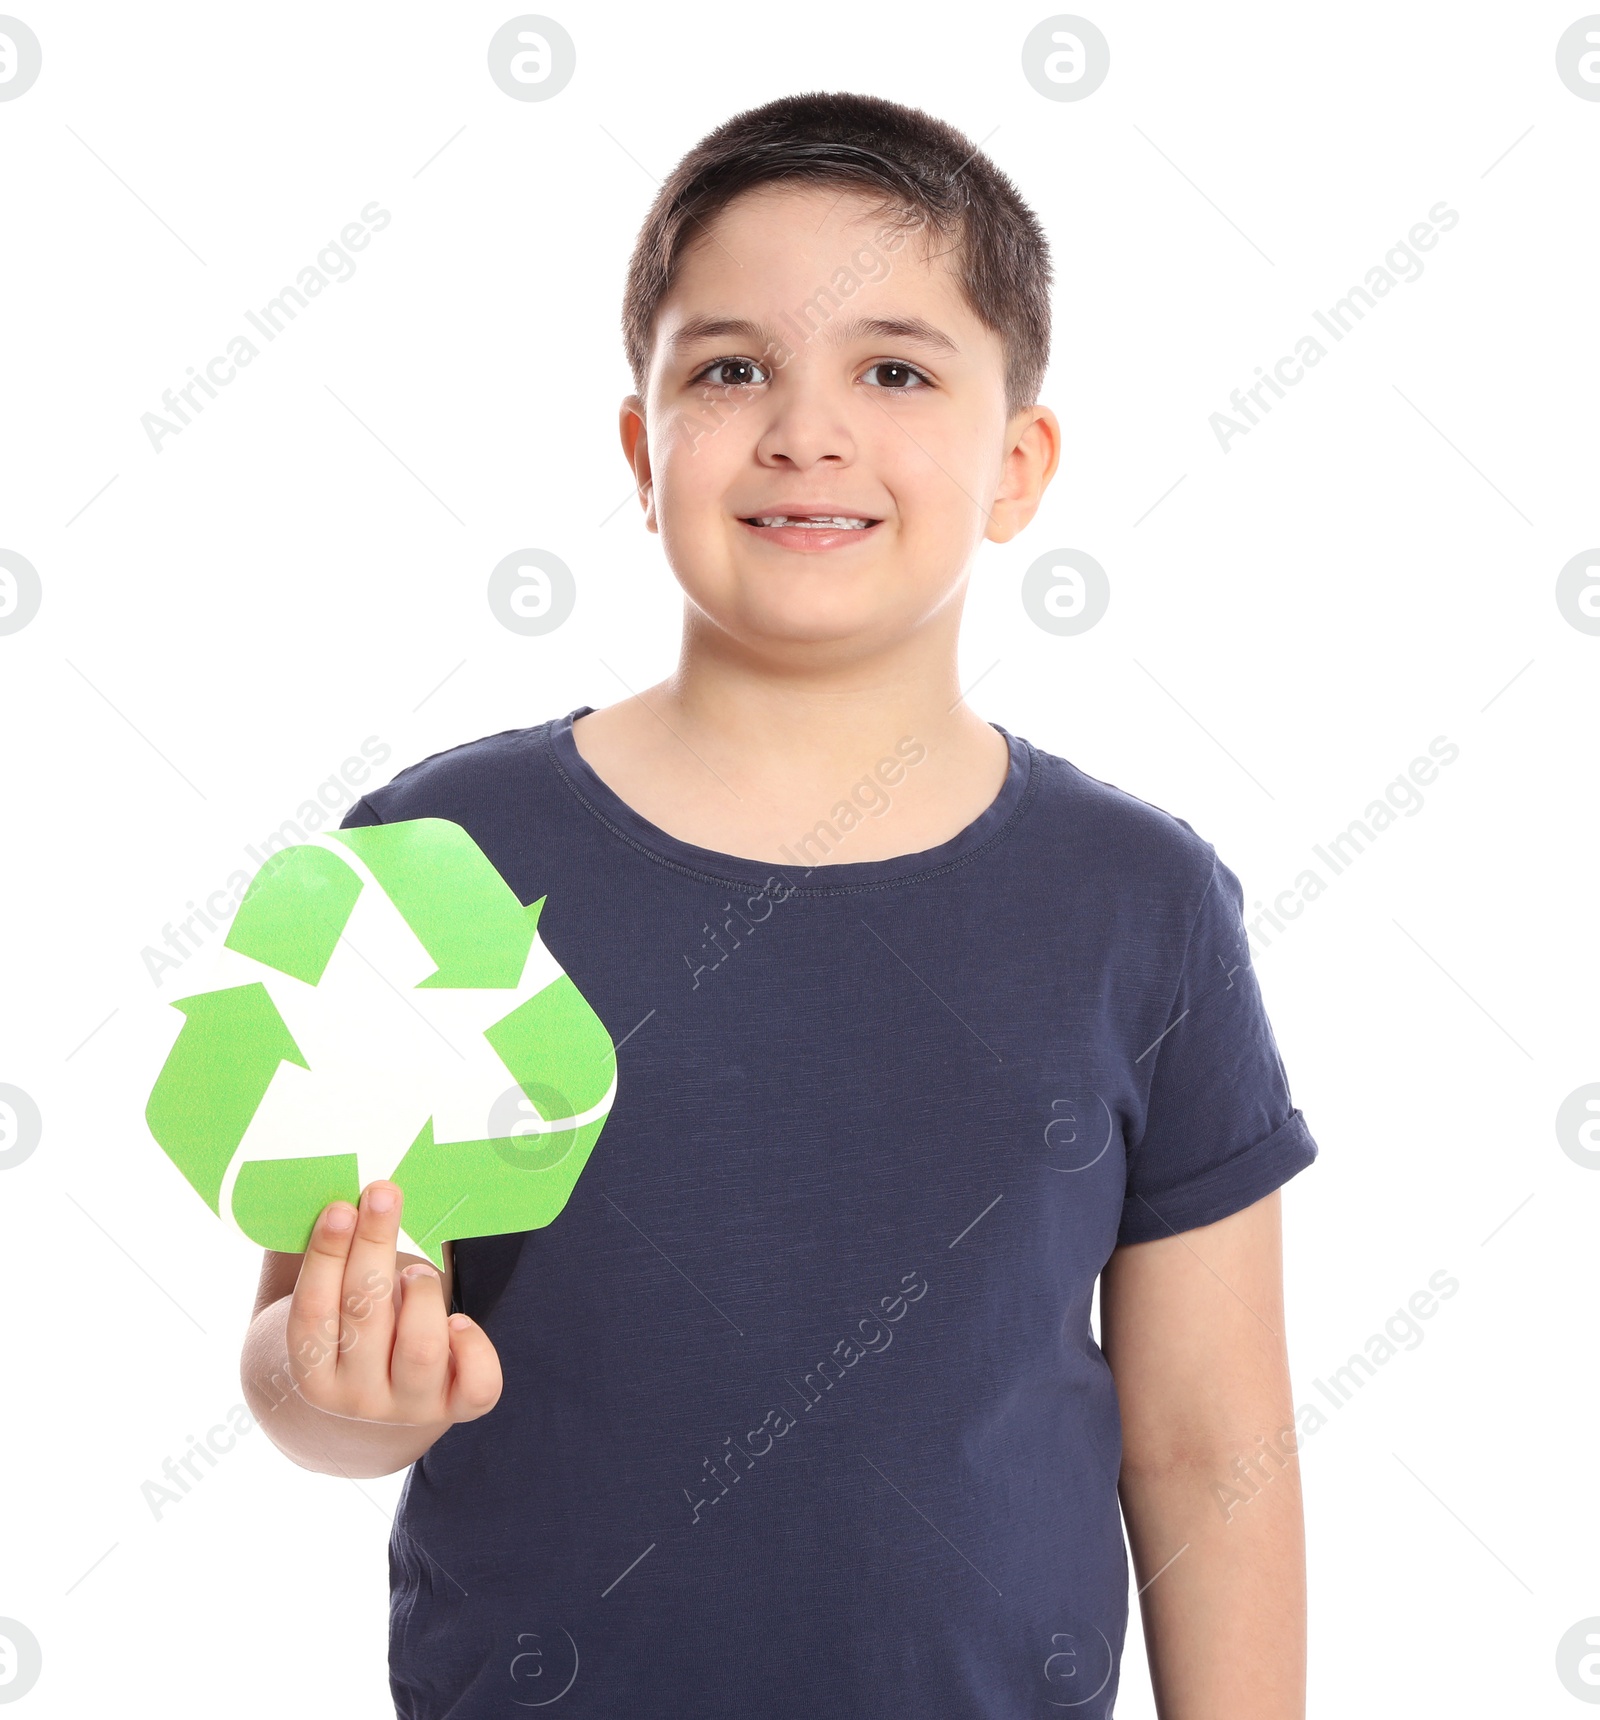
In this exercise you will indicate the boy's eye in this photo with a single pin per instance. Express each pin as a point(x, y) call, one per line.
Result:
point(746, 373)
point(731, 373)
point(897, 375)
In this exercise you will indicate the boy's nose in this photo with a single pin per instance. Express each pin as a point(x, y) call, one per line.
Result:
point(806, 430)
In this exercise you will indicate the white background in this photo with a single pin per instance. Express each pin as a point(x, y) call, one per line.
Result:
point(1373, 566)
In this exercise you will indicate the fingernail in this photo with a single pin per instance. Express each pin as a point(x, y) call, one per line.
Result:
point(381, 1198)
point(417, 1271)
point(459, 1322)
point(340, 1217)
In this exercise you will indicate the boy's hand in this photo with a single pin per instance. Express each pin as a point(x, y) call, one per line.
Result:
point(397, 1357)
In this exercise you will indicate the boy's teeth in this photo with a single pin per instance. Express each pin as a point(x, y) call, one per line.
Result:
point(844, 522)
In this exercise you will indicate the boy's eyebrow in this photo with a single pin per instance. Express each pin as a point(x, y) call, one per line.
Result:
point(857, 328)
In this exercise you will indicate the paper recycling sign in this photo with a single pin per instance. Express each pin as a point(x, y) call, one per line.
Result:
point(383, 1007)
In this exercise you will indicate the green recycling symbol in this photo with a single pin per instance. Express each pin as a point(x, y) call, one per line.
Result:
point(384, 1007)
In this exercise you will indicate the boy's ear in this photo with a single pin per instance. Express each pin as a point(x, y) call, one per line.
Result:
point(636, 450)
point(1033, 451)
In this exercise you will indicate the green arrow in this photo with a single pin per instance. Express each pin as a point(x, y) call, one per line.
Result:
point(556, 1040)
point(215, 1078)
point(561, 1055)
point(487, 1188)
point(464, 913)
point(276, 1201)
point(295, 911)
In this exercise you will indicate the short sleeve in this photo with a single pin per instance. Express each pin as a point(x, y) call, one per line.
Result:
point(360, 814)
point(1220, 1128)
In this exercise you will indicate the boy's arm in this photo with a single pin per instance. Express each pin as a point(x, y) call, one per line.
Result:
point(1192, 1326)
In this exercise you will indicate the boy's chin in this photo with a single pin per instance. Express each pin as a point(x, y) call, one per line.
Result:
point(763, 619)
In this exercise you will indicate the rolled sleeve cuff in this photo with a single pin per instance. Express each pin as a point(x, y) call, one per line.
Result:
point(1224, 1189)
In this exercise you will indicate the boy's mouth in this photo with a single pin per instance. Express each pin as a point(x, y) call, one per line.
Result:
point(806, 530)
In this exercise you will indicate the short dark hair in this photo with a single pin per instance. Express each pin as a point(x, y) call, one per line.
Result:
point(926, 171)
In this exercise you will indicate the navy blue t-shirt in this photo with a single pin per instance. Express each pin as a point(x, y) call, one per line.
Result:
point(803, 1413)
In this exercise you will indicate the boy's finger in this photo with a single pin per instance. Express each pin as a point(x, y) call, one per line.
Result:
point(476, 1380)
point(420, 1363)
point(368, 1303)
point(314, 1306)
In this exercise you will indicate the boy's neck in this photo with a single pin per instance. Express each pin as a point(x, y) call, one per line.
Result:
point(743, 756)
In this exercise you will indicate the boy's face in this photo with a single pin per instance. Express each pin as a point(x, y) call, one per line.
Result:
point(811, 360)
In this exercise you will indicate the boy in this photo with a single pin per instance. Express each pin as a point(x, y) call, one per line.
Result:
point(795, 1409)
